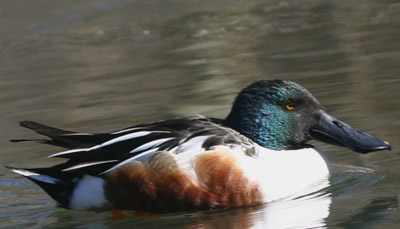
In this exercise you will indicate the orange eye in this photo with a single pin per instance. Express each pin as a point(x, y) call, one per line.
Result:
point(289, 107)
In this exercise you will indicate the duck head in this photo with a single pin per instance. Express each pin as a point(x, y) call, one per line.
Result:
point(282, 115)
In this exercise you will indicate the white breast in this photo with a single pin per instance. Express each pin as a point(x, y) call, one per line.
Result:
point(279, 173)
point(288, 173)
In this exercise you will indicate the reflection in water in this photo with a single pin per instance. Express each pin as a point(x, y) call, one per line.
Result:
point(305, 212)
point(371, 215)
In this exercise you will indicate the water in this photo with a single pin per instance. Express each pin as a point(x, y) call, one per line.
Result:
point(98, 66)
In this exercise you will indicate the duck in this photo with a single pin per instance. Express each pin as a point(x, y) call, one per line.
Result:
point(258, 154)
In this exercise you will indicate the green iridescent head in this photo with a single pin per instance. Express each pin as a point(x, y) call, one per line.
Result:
point(276, 114)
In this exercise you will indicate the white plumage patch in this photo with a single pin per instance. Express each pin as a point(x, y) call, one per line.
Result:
point(88, 193)
point(69, 152)
point(287, 173)
point(126, 130)
point(150, 145)
point(122, 138)
point(87, 165)
point(192, 145)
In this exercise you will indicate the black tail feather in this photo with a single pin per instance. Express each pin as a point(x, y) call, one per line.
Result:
point(62, 138)
point(43, 129)
point(44, 141)
point(59, 190)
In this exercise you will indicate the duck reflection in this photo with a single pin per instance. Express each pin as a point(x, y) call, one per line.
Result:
point(300, 211)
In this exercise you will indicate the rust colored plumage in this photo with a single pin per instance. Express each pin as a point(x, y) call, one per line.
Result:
point(219, 171)
point(160, 185)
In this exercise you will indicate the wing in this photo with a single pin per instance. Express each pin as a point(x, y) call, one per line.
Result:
point(97, 154)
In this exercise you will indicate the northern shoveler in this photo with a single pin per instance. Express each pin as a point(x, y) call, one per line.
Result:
point(256, 155)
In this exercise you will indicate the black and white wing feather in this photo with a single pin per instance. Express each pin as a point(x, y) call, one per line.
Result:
point(96, 154)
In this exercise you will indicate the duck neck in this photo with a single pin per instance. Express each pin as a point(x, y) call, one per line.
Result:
point(260, 124)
